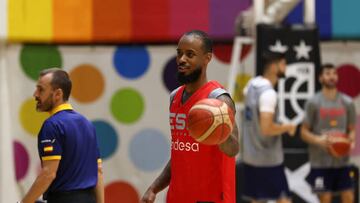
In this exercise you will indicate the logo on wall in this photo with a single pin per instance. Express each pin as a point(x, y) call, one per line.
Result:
point(295, 90)
point(299, 84)
point(300, 47)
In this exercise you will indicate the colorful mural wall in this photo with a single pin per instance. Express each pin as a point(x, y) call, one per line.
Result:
point(105, 21)
point(129, 21)
point(124, 91)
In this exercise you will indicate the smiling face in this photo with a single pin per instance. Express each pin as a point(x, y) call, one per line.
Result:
point(44, 94)
point(191, 59)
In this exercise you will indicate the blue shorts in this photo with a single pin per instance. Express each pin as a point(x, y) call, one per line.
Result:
point(331, 179)
point(265, 183)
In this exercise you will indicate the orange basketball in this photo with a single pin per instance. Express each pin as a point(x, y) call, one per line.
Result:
point(210, 121)
point(340, 144)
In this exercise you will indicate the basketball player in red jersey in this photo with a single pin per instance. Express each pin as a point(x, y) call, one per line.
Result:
point(196, 173)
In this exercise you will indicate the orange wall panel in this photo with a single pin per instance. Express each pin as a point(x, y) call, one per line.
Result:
point(111, 20)
point(72, 20)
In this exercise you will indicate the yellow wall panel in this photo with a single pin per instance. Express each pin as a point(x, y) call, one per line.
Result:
point(30, 20)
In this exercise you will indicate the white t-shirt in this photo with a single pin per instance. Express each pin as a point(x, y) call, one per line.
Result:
point(268, 98)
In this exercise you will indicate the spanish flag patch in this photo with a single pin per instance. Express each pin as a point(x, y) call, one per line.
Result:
point(48, 149)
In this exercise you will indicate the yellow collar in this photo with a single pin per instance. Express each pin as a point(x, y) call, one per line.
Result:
point(61, 107)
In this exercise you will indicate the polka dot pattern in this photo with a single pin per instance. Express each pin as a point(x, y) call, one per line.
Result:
point(117, 106)
point(30, 119)
point(154, 151)
point(22, 160)
point(131, 62)
point(127, 105)
point(120, 191)
point(88, 83)
point(349, 79)
point(223, 52)
point(34, 58)
point(169, 75)
point(108, 139)
point(121, 101)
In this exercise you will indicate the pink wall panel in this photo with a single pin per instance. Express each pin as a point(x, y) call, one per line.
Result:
point(187, 15)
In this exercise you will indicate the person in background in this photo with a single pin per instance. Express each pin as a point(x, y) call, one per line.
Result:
point(263, 169)
point(329, 111)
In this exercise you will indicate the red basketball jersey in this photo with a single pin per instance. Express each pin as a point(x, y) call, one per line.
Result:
point(199, 173)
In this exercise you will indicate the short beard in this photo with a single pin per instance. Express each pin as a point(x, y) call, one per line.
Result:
point(192, 77)
point(327, 86)
point(47, 105)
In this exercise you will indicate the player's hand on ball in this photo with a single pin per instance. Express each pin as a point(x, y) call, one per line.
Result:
point(339, 144)
point(210, 121)
point(324, 142)
point(352, 146)
point(149, 197)
point(352, 143)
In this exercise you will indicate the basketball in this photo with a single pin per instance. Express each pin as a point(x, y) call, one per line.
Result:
point(210, 121)
point(340, 145)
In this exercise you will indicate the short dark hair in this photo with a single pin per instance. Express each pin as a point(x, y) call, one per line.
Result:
point(60, 79)
point(326, 66)
point(269, 57)
point(207, 42)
